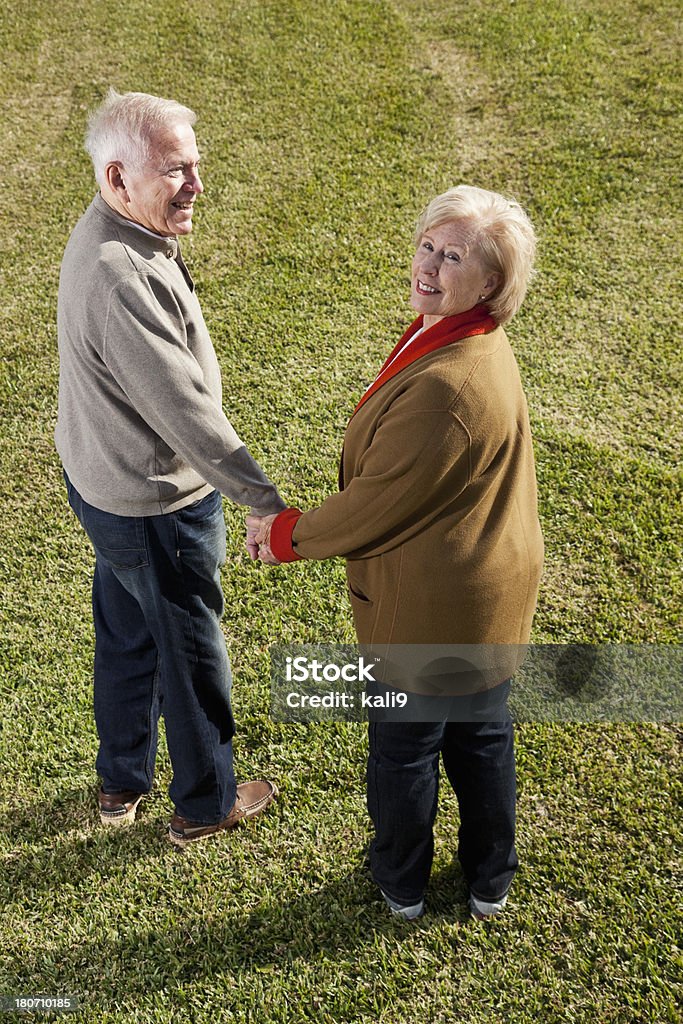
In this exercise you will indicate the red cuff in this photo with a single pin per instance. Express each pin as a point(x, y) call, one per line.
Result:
point(281, 543)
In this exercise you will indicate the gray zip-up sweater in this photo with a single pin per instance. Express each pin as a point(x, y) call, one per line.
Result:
point(140, 428)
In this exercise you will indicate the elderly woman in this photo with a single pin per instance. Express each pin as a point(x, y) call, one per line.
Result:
point(437, 519)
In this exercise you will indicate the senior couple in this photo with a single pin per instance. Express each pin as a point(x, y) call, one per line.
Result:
point(436, 515)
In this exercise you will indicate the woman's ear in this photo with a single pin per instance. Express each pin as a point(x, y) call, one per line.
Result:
point(492, 282)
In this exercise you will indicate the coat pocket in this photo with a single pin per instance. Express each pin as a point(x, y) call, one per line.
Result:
point(356, 590)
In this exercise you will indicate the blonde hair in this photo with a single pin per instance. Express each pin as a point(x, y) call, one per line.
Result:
point(503, 234)
point(123, 126)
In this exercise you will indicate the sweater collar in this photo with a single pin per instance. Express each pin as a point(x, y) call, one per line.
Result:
point(156, 243)
point(449, 329)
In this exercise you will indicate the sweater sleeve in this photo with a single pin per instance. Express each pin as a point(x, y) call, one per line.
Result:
point(146, 352)
point(417, 464)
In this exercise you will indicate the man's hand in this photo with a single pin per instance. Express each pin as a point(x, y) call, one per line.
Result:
point(263, 541)
point(258, 539)
point(253, 523)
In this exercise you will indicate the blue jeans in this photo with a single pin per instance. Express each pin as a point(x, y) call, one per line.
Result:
point(159, 649)
point(403, 787)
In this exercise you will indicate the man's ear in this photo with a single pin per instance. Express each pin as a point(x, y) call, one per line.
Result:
point(113, 174)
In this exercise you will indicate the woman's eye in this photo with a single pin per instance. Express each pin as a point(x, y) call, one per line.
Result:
point(454, 256)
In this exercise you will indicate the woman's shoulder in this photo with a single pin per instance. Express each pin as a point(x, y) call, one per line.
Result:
point(477, 380)
point(472, 361)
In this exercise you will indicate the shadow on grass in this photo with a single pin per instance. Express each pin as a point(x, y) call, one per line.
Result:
point(341, 917)
point(340, 920)
point(61, 841)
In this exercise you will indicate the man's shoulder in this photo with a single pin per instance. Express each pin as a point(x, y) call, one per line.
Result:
point(100, 254)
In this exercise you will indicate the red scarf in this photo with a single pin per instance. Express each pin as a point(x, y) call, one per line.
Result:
point(447, 330)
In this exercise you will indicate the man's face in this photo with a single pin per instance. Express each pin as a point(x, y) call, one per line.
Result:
point(161, 195)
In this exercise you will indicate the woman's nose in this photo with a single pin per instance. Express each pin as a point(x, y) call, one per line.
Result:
point(429, 263)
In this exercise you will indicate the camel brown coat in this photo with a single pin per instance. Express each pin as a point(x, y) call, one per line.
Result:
point(437, 512)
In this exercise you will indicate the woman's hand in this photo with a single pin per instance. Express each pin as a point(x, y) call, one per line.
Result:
point(258, 539)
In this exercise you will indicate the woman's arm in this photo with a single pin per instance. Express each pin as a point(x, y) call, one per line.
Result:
point(418, 463)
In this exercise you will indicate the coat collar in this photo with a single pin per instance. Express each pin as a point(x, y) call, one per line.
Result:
point(447, 330)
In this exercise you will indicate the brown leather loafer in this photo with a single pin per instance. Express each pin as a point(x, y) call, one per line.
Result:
point(118, 808)
point(252, 799)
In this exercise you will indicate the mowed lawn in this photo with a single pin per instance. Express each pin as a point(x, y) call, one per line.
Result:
point(325, 125)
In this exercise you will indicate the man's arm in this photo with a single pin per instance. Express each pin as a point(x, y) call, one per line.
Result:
point(146, 352)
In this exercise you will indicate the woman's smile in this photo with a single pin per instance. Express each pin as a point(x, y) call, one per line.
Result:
point(425, 289)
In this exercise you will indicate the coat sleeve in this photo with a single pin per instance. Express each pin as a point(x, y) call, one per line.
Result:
point(417, 464)
point(147, 355)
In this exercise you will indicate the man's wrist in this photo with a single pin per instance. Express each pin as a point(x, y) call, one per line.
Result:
point(276, 506)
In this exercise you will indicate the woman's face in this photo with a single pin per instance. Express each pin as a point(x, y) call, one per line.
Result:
point(448, 275)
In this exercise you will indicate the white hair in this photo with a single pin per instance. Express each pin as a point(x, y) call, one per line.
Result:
point(123, 126)
point(504, 236)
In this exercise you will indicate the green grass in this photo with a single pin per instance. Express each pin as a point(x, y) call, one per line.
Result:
point(324, 127)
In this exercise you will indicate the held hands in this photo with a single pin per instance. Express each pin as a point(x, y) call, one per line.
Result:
point(258, 539)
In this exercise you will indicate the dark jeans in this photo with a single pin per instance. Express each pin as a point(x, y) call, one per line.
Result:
point(159, 649)
point(403, 786)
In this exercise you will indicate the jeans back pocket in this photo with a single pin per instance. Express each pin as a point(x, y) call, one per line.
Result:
point(119, 540)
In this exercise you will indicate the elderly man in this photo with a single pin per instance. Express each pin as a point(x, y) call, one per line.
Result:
point(147, 452)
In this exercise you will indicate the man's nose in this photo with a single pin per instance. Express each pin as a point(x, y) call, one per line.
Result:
point(193, 183)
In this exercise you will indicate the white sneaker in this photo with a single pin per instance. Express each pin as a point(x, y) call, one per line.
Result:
point(480, 910)
point(407, 913)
